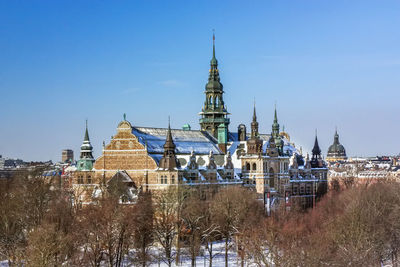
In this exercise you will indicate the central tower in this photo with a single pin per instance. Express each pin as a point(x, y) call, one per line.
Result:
point(214, 113)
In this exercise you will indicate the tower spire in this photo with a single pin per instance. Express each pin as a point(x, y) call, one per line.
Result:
point(254, 144)
point(86, 138)
point(214, 44)
point(85, 163)
point(316, 160)
point(169, 160)
point(214, 112)
point(169, 142)
point(275, 125)
point(254, 112)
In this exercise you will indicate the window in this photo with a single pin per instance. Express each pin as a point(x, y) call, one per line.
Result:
point(271, 178)
point(308, 189)
point(285, 166)
point(248, 166)
point(302, 190)
point(80, 179)
point(271, 181)
point(173, 179)
point(254, 166)
point(295, 190)
point(89, 179)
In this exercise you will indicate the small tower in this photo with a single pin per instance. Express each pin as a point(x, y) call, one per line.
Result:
point(169, 160)
point(272, 150)
point(275, 134)
point(214, 111)
point(242, 132)
point(254, 144)
point(85, 163)
point(316, 160)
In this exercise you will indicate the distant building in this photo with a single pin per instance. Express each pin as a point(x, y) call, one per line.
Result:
point(336, 151)
point(67, 155)
point(2, 162)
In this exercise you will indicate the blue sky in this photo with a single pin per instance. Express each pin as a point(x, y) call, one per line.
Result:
point(325, 63)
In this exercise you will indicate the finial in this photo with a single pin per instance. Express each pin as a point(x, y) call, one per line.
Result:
point(124, 116)
point(275, 116)
point(254, 111)
point(213, 43)
point(86, 138)
point(316, 132)
point(169, 122)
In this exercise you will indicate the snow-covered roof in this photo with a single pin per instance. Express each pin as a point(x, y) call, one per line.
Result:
point(186, 141)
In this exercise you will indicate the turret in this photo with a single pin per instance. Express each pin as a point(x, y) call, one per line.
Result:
point(85, 163)
point(275, 134)
point(316, 160)
point(214, 111)
point(169, 160)
point(254, 144)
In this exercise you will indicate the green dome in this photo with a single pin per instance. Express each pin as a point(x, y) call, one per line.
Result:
point(213, 85)
point(336, 149)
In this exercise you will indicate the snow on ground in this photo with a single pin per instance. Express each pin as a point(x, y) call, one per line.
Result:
point(218, 258)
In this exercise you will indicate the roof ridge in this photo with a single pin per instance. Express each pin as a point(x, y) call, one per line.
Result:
point(160, 128)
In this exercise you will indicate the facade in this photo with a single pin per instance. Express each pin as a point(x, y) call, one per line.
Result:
point(146, 158)
point(336, 151)
point(67, 155)
point(279, 174)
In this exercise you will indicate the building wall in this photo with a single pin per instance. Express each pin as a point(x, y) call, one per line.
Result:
point(124, 152)
point(67, 155)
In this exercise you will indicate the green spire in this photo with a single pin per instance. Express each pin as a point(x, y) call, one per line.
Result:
point(85, 163)
point(254, 112)
point(124, 116)
point(214, 61)
point(254, 123)
point(86, 133)
point(275, 125)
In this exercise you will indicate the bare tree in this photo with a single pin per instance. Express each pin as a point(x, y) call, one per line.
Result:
point(193, 216)
point(165, 218)
point(143, 229)
point(229, 209)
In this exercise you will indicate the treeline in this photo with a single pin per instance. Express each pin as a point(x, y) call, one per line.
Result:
point(358, 226)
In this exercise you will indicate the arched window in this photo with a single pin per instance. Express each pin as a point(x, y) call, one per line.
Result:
point(173, 179)
point(271, 178)
point(254, 166)
point(248, 166)
point(89, 179)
